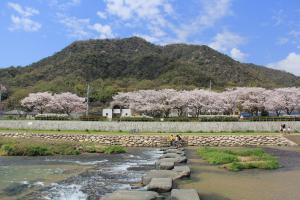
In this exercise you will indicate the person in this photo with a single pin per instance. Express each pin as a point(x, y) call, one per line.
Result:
point(284, 128)
point(289, 130)
point(171, 140)
point(178, 141)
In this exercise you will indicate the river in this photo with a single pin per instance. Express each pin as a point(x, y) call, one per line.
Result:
point(87, 176)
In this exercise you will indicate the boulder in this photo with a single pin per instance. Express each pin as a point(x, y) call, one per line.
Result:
point(166, 165)
point(161, 174)
point(160, 184)
point(180, 152)
point(183, 170)
point(132, 195)
point(180, 159)
point(184, 194)
point(171, 155)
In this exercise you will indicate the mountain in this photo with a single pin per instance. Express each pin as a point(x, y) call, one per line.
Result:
point(133, 63)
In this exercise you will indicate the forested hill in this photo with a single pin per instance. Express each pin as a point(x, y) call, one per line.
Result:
point(133, 63)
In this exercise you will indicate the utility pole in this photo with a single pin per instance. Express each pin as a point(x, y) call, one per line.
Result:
point(87, 99)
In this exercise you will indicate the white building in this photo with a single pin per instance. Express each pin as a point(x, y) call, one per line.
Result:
point(116, 111)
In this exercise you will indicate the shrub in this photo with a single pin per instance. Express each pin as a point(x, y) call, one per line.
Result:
point(52, 117)
point(280, 118)
point(219, 118)
point(136, 119)
point(37, 151)
point(115, 149)
point(92, 118)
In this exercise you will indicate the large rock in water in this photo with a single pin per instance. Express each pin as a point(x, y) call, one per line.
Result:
point(171, 155)
point(177, 151)
point(184, 170)
point(161, 174)
point(160, 184)
point(180, 159)
point(166, 165)
point(184, 194)
point(132, 195)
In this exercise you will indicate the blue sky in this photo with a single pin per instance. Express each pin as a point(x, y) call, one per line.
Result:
point(264, 32)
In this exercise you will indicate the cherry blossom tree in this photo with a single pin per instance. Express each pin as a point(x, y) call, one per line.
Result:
point(288, 99)
point(199, 101)
point(180, 102)
point(67, 103)
point(196, 102)
point(274, 102)
point(252, 99)
point(42, 102)
point(38, 102)
point(229, 99)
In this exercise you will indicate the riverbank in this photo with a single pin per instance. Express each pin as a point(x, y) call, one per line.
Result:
point(19, 146)
point(214, 183)
point(137, 140)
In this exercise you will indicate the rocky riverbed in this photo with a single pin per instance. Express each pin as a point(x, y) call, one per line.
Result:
point(87, 176)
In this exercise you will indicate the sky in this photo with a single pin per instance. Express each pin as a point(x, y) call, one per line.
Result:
point(264, 32)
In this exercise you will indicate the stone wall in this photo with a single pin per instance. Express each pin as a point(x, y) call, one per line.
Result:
point(159, 141)
point(148, 126)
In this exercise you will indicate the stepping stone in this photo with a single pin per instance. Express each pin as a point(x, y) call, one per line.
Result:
point(170, 155)
point(181, 159)
point(184, 194)
point(166, 165)
point(132, 195)
point(160, 185)
point(184, 170)
point(174, 151)
point(161, 174)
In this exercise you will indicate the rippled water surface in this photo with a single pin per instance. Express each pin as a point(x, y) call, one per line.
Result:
point(87, 176)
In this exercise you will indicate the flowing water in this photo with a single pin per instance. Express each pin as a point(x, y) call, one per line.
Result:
point(87, 176)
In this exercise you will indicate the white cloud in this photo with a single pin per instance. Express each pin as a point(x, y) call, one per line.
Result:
point(278, 17)
point(65, 4)
point(212, 12)
point(102, 15)
point(226, 40)
point(290, 64)
point(24, 19)
point(160, 18)
point(104, 30)
point(76, 27)
point(150, 14)
point(83, 28)
point(237, 54)
point(23, 23)
point(25, 12)
point(142, 9)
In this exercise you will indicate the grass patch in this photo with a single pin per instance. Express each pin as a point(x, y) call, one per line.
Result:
point(236, 159)
point(38, 147)
point(114, 149)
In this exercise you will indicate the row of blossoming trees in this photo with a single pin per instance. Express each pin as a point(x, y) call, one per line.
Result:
point(198, 102)
point(43, 102)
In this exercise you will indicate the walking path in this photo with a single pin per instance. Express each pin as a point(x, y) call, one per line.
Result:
point(293, 138)
point(170, 166)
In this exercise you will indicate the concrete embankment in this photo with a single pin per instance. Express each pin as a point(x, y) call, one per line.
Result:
point(150, 126)
point(159, 140)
